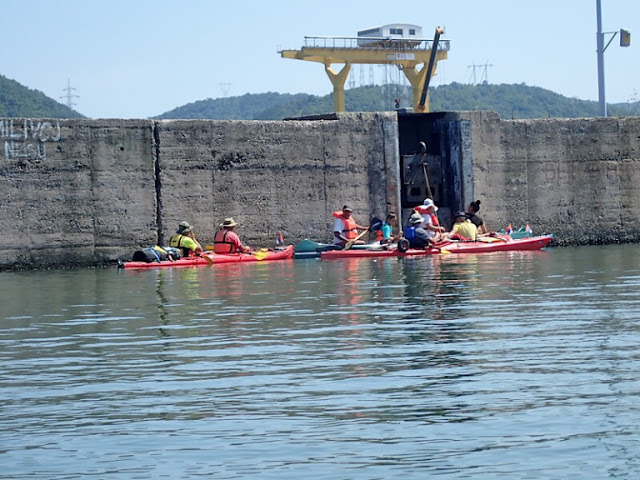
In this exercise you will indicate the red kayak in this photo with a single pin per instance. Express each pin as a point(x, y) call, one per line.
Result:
point(487, 245)
point(263, 255)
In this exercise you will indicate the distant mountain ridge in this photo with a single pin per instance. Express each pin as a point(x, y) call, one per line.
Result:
point(509, 101)
point(16, 100)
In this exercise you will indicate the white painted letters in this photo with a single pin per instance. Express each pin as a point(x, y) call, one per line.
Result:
point(28, 138)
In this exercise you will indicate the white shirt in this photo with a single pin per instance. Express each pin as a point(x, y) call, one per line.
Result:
point(338, 226)
point(427, 222)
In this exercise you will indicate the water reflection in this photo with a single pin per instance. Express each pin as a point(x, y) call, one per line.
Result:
point(487, 366)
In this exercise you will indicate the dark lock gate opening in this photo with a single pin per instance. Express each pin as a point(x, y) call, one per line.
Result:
point(430, 163)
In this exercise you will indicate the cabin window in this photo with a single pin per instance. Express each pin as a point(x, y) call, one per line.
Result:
point(395, 31)
point(412, 31)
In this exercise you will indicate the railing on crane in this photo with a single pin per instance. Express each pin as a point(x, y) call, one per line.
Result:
point(374, 43)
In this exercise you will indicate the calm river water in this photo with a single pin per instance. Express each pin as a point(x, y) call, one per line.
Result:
point(510, 365)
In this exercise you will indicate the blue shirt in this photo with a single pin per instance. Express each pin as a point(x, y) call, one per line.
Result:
point(386, 230)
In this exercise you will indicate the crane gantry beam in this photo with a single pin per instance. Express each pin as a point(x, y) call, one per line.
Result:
point(345, 50)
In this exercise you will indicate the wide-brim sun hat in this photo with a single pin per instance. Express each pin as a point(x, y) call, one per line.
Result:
point(228, 223)
point(415, 218)
point(429, 203)
point(184, 227)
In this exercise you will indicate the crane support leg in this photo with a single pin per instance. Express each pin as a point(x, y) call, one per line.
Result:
point(416, 79)
point(338, 80)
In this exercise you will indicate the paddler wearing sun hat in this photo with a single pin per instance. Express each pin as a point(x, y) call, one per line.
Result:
point(430, 223)
point(185, 240)
point(227, 240)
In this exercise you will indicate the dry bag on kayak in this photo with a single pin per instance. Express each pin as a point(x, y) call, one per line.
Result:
point(156, 254)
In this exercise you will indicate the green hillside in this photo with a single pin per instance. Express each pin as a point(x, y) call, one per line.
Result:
point(509, 101)
point(17, 100)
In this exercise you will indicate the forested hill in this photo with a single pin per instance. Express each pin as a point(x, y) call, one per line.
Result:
point(16, 100)
point(509, 101)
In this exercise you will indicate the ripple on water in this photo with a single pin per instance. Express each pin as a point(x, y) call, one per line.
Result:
point(486, 366)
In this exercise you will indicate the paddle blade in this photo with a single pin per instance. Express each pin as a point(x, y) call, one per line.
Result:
point(261, 254)
point(444, 252)
point(208, 258)
point(348, 245)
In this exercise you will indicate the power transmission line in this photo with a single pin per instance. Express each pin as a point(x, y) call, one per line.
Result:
point(225, 86)
point(69, 96)
point(484, 77)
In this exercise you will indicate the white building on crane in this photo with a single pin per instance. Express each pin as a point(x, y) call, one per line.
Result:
point(393, 35)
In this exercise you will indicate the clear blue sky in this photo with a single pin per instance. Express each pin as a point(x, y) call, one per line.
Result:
point(141, 58)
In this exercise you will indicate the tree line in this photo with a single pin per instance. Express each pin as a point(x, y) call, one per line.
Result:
point(509, 101)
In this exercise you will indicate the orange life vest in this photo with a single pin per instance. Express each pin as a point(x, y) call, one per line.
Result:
point(423, 211)
point(220, 243)
point(350, 231)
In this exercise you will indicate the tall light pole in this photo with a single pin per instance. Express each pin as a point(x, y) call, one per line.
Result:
point(625, 41)
point(600, 49)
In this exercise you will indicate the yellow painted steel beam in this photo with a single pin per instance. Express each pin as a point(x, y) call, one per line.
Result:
point(338, 80)
point(407, 58)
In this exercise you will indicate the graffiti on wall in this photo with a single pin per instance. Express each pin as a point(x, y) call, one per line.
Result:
point(28, 138)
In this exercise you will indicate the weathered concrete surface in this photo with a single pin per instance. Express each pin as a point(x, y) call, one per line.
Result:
point(83, 192)
point(274, 176)
point(576, 178)
point(88, 192)
point(74, 192)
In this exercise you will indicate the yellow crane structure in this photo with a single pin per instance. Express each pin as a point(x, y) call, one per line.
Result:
point(381, 51)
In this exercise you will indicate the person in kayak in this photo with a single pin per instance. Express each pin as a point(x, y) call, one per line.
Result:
point(185, 240)
point(385, 234)
point(227, 240)
point(418, 237)
point(345, 227)
point(462, 229)
point(472, 210)
point(428, 212)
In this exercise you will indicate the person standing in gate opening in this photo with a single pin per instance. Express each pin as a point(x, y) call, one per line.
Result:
point(345, 227)
point(228, 241)
point(472, 210)
point(185, 240)
point(385, 234)
point(428, 212)
point(418, 237)
point(462, 229)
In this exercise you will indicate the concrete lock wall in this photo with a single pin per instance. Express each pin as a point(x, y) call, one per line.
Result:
point(276, 176)
point(576, 178)
point(86, 192)
point(74, 192)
